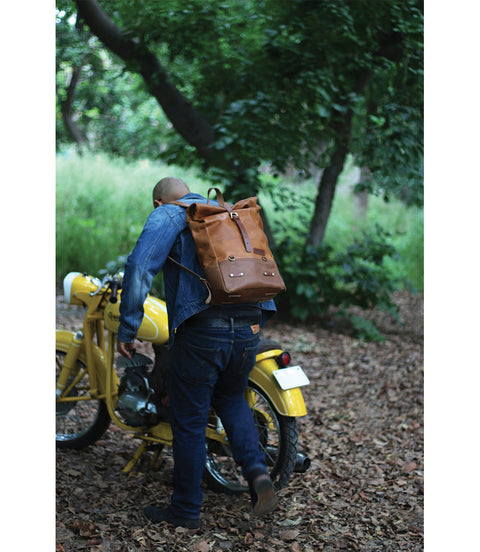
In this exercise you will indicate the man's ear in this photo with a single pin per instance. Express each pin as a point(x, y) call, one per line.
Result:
point(156, 203)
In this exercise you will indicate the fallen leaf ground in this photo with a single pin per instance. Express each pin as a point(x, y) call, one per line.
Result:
point(363, 433)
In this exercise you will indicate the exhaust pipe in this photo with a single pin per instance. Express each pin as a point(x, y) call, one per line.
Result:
point(302, 463)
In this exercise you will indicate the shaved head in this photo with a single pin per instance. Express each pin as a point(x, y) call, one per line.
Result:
point(169, 189)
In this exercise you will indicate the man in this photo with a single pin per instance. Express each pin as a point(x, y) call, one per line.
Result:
point(212, 351)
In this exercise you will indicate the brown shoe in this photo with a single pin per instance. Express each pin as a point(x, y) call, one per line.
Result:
point(266, 499)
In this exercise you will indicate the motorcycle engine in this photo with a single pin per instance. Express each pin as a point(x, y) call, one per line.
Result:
point(137, 402)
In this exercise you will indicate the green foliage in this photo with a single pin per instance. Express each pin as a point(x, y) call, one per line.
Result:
point(318, 279)
point(274, 79)
point(361, 277)
point(405, 225)
point(365, 329)
point(111, 107)
point(410, 247)
point(310, 284)
point(289, 206)
point(102, 205)
point(392, 148)
point(91, 199)
point(359, 264)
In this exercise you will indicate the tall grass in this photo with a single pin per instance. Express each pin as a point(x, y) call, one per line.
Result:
point(346, 222)
point(102, 205)
point(405, 224)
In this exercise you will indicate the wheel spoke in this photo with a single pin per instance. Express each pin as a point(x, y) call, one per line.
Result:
point(74, 382)
point(222, 470)
point(78, 422)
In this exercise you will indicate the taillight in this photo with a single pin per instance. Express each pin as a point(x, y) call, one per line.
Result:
point(283, 360)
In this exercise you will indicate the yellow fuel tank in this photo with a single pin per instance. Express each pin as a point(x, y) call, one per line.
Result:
point(154, 326)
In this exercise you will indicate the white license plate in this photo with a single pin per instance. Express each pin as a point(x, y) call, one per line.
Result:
point(291, 377)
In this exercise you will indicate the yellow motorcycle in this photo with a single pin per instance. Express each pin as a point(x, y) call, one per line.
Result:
point(93, 389)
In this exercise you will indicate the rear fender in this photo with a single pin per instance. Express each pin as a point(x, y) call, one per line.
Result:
point(287, 402)
point(63, 339)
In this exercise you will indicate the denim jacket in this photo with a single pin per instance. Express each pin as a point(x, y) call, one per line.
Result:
point(166, 233)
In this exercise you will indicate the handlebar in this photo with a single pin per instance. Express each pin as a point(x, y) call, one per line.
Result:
point(101, 286)
point(113, 282)
point(115, 286)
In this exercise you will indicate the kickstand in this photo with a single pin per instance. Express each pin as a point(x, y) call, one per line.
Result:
point(156, 452)
point(140, 450)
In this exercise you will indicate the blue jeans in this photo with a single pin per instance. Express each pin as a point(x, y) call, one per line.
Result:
point(210, 366)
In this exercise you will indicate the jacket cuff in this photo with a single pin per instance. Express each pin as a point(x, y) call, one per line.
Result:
point(125, 336)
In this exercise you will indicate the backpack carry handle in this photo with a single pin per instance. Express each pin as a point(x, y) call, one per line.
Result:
point(219, 197)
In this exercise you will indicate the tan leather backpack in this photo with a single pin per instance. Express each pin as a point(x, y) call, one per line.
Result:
point(233, 249)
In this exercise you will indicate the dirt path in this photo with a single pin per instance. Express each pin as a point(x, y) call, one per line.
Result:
point(363, 433)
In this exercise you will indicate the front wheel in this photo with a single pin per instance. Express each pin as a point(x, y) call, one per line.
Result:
point(277, 437)
point(79, 422)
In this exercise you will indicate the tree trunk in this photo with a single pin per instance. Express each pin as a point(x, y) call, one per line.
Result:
point(326, 192)
point(187, 121)
point(66, 108)
point(328, 181)
point(360, 199)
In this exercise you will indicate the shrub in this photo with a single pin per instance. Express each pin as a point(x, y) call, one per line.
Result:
point(318, 279)
point(102, 204)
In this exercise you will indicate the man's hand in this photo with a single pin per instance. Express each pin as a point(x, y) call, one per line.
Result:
point(124, 348)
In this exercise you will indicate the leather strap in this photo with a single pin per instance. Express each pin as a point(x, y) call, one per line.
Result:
point(219, 197)
point(233, 215)
point(181, 203)
point(203, 280)
point(243, 230)
point(236, 219)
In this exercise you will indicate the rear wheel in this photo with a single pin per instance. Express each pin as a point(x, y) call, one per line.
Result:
point(277, 437)
point(81, 422)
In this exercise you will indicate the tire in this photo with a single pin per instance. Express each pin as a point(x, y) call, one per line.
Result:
point(278, 437)
point(79, 423)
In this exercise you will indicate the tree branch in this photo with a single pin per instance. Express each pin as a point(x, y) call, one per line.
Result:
point(188, 122)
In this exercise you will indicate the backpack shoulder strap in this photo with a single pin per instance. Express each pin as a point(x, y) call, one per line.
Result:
point(203, 280)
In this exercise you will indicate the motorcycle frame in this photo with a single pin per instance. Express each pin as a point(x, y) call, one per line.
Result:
point(99, 360)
